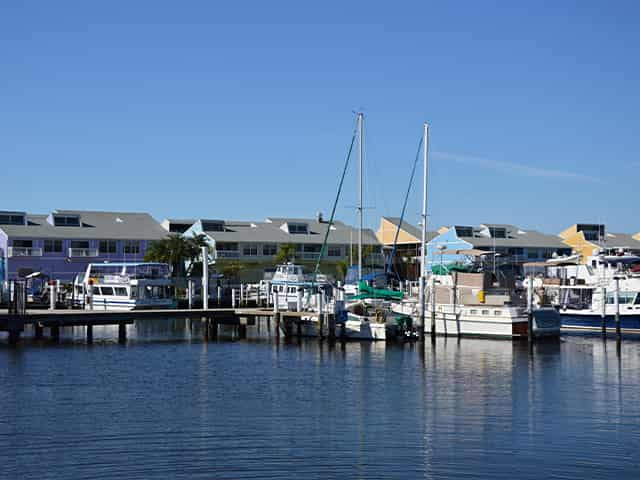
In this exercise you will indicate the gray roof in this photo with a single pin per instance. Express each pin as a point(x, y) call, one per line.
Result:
point(515, 237)
point(94, 225)
point(619, 240)
point(270, 231)
point(410, 229)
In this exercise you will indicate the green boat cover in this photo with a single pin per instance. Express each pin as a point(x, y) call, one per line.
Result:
point(365, 291)
point(446, 269)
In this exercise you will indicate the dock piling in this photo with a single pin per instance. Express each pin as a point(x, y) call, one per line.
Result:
point(122, 332)
point(89, 334)
point(617, 304)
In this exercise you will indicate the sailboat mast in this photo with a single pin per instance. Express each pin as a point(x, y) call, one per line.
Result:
point(360, 172)
point(423, 267)
point(425, 143)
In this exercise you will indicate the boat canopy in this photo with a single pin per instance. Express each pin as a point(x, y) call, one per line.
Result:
point(365, 291)
point(447, 269)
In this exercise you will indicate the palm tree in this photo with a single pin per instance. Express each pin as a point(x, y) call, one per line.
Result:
point(286, 253)
point(176, 251)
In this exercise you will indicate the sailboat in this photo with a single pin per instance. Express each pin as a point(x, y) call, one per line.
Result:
point(368, 314)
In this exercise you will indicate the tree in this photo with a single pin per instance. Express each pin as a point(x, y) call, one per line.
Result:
point(286, 253)
point(176, 251)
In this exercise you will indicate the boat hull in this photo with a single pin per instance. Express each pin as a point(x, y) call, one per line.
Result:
point(361, 330)
point(593, 322)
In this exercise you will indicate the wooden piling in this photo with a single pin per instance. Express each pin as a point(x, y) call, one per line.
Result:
point(38, 330)
point(55, 333)
point(89, 334)
point(122, 332)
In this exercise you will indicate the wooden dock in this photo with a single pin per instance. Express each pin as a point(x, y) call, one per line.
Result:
point(54, 320)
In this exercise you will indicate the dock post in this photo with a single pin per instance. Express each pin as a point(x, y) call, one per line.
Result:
point(423, 305)
point(205, 278)
point(242, 328)
point(190, 293)
point(90, 294)
point(604, 312)
point(433, 308)
point(89, 334)
point(219, 293)
point(258, 299)
point(233, 298)
point(55, 333)
point(530, 308)
point(299, 299)
point(52, 295)
point(122, 332)
point(276, 313)
point(321, 319)
point(38, 330)
point(617, 304)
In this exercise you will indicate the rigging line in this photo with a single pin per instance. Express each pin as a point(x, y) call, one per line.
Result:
point(333, 210)
point(404, 208)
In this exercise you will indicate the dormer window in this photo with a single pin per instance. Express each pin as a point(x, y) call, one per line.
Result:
point(498, 232)
point(11, 219)
point(66, 220)
point(213, 226)
point(298, 228)
point(464, 231)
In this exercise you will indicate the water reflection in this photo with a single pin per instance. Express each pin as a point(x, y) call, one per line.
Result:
point(171, 405)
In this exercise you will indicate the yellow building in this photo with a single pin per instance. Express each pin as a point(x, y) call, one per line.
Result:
point(588, 239)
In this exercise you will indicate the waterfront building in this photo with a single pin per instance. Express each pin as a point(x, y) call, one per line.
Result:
point(512, 245)
point(62, 243)
point(408, 245)
point(255, 244)
point(589, 238)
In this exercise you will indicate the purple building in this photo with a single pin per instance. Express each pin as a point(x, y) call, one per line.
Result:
point(64, 242)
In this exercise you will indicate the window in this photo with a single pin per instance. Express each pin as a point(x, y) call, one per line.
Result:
point(464, 231)
point(132, 247)
point(298, 228)
point(107, 246)
point(226, 247)
point(485, 312)
point(250, 250)
point(532, 254)
point(334, 252)
point(213, 226)
point(120, 291)
point(623, 299)
point(66, 220)
point(498, 232)
point(23, 243)
point(79, 243)
point(312, 248)
point(497, 312)
point(107, 290)
point(6, 219)
point(53, 246)
point(268, 250)
point(292, 289)
point(96, 291)
point(637, 302)
point(473, 312)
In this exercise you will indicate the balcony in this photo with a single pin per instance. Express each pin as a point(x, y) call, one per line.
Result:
point(83, 252)
point(23, 252)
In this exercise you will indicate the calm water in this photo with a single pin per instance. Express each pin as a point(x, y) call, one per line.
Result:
point(258, 409)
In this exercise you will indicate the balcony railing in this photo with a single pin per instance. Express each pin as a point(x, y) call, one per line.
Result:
point(24, 252)
point(83, 252)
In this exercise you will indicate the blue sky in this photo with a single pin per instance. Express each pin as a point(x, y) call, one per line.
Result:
point(243, 110)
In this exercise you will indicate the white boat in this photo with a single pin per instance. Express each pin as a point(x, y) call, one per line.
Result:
point(289, 284)
point(467, 306)
point(585, 294)
point(123, 286)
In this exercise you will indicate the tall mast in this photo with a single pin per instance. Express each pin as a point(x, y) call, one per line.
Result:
point(423, 267)
point(424, 200)
point(360, 172)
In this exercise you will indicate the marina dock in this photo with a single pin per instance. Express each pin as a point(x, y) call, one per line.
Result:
point(212, 318)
